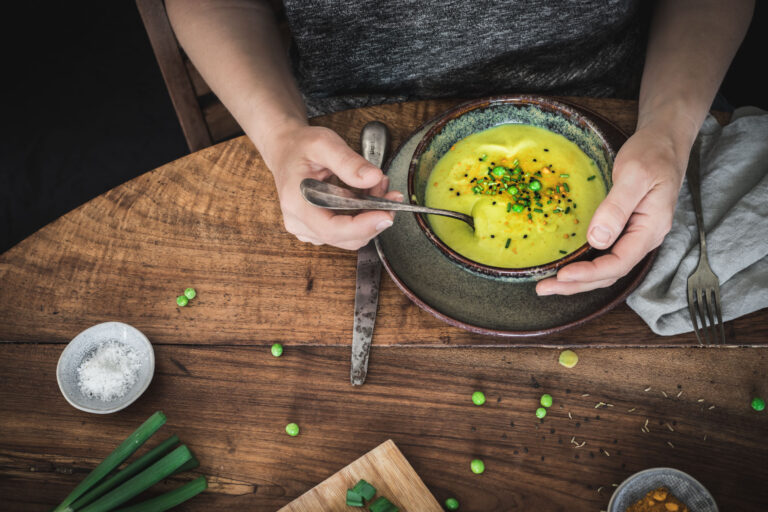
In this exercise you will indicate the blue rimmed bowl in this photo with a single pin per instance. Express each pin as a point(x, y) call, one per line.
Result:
point(478, 115)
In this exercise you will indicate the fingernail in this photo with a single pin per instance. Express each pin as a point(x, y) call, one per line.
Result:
point(544, 291)
point(385, 183)
point(381, 226)
point(600, 235)
point(365, 171)
point(399, 197)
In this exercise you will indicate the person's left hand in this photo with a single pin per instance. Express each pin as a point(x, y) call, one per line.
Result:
point(647, 175)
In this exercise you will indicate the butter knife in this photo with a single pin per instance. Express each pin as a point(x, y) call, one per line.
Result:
point(374, 141)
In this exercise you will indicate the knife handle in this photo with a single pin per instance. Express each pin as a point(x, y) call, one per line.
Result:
point(374, 141)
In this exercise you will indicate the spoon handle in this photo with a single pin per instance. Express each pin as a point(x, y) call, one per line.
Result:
point(326, 195)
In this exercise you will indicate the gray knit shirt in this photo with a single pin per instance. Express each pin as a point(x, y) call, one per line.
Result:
point(348, 54)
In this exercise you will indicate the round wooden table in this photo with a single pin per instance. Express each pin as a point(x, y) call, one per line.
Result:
point(211, 220)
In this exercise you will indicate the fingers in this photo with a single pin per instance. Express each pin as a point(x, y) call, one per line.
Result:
point(613, 213)
point(552, 286)
point(330, 151)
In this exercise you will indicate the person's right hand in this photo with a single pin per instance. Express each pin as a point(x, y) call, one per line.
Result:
point(303, 151)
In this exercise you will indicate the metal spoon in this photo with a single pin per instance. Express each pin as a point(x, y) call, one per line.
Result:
point(325, 195)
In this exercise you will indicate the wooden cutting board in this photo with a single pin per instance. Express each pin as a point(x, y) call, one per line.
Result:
point(386, 469)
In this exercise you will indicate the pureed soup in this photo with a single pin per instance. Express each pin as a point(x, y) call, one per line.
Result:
point(530, 191)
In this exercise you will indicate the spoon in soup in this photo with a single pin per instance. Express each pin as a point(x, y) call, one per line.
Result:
point(326, 195)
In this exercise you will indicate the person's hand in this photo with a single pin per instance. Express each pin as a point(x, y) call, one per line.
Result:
point(314, 152)
point(647, 176)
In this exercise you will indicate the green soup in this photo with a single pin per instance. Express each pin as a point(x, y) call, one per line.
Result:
point(531, 192)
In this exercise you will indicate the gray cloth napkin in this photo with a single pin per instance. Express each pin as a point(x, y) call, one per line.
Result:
point(734, 190)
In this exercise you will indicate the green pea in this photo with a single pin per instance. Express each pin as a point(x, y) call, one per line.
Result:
point(512, 190)
point(292, 429)
point(182, 300)
point(478, 398)
point(477, 466)
point(534, 185)
point(277, 350)
point(517, 207)
point(190, 293)
point(541, 412)
point(452, 504)
point(546, 400)
point(499, 170)
point(758, 404)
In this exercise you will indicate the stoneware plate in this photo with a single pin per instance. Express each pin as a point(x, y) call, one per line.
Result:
point(475, 302)
point(83, 346)
point(683, 486)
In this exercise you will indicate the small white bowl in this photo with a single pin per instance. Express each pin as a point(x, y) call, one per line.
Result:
point(83, 346)
point(682, 485)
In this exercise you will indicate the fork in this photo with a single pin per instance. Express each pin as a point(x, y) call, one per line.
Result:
point(703, 284)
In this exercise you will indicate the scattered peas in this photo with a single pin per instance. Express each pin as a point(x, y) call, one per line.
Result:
point(534, 185)
point(277, 350)
point(758, 404)
point(512, 190)
point(499, 170)
point(292, 429)
point(517, 208)
point(477, 466)
point(541, 412)
point(182, 300)
point(568, 358)
point(190, 293)
point(546, 400)
point(452, 504)
point(478, 398)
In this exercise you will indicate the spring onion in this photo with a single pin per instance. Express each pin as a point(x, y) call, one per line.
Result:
point(382, 504)
point(147, 478)
point(133, 468)
point(170, 498)
point(114, 459)
point(354, 499)
point(364, 489)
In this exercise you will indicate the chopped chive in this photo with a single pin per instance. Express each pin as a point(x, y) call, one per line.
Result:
point(591, 178)
point(382, 504)
point(364, 489)
point(506, 246)
point(538, 210)
point(563, 252)
point(509, 207)
point(565, 186)
point(568, 210)
point(529, 216)
point(354, 499)
point(565, 176)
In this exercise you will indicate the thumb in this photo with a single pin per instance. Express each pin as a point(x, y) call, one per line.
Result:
point(351, 168)
point(614, 212)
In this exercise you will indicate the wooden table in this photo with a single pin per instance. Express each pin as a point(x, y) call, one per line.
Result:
point(211, 220)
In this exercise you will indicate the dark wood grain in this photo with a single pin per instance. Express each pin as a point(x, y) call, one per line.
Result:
point(211, 220)
point(231, 404)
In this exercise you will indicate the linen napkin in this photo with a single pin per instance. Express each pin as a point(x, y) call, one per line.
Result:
point(734, 192)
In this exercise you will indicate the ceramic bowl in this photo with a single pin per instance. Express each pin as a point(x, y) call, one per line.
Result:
point(482, 114)
point(682, 485)
point(83, 345)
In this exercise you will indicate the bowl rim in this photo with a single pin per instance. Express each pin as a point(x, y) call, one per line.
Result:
point(611, 502)
point(440, 121)
point(141, 389)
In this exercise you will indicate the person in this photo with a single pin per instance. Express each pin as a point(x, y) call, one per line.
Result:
point(349, 55)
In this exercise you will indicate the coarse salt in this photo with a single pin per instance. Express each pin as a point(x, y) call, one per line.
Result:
point(109, 372)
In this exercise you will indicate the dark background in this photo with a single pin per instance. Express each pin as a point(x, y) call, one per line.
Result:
point(86, 108)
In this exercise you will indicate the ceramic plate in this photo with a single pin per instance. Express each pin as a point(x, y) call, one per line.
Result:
point(472, 301)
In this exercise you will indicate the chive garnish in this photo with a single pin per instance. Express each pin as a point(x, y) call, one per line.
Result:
point(564, 175)
point(563, 252)
point(506, 245)
point(509, 207)
point(538, 210)
point(568, 210)
point(591, 178)
point(530, 216)
point(565, 186)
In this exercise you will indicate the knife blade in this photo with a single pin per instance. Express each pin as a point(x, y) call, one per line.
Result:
point(374, 140)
